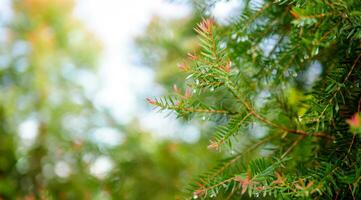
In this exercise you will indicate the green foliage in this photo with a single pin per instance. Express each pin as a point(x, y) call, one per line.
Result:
point(281, 81)
point(49, 148)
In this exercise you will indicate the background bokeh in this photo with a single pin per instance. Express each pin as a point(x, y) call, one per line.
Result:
point(73, 78)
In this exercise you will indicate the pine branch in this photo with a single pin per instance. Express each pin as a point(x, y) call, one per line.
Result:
point(226, 165)
point(338, 89)
point(224, 133)
point(302, 34)
point(168, 104)
point(254, 178)
point(231, 86)
point(256, 15)
point(270, 123)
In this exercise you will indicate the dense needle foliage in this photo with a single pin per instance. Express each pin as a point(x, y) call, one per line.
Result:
point(282, 81)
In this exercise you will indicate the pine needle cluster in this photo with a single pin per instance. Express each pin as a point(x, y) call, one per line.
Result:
point(282, 81)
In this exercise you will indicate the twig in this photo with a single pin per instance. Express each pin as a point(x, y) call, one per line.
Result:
point(240, 123)
point(339, 88)
point(298, 132)
point(199, 110)
point(352, 68)
point(255, 146)
point(292, 146)
point(350, 188)
point(350, 147)
point(258, 13)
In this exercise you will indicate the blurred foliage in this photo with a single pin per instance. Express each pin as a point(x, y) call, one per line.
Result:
point(51, 132)
point(152, 169)
point(164, 44)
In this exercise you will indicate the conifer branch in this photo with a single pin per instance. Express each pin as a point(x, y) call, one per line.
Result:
point(249, 182)
point(292, 146)
point(206, 30)
point(319, 185)
point(199, 110)
point(312, 32)
point(270, 123)
point(339, 87)
point(256, 15)
point(350, 147)
point(176, 107)
point(232, 161)
point(236, 158)
point(352, 68)
point(204, 190)
point(216, 145)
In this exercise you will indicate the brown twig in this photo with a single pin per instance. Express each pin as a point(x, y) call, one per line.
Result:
point(298, 132)
point(350, 188)
point(292, 146)
point(352, 68)
point(339, 88)
point(255, 146)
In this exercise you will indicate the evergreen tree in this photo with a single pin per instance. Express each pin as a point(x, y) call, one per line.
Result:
point(282, 81)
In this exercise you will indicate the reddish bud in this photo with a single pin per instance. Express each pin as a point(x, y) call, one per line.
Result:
point(187, 93)
point(151, 101)
point(213, 145)
point(183, 67)
point(309, 184)
point(245, 183)
point(227, 68)
point(192, 56)
point(198, 193)
point(294, 14)
point(280, 179)
point(260, 188)
point(206, 25)
point(301, 185)
point(176, 89)
point(354, 122)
